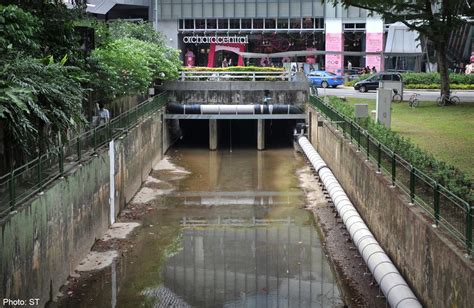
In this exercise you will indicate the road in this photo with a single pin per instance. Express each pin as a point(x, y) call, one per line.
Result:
point(425, 95)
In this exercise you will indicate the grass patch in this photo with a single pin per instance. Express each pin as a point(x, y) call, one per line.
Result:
point(445, 132)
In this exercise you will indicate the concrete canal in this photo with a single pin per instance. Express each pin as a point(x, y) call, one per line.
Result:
point(216, 229)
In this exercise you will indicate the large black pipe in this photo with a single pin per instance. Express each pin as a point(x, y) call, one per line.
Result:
point(175, 108)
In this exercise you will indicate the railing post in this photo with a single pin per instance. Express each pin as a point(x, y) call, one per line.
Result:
point(469, 228)
point(94, 138)
point(358, 138)
point(352, 130)
point(12, 189)
point(394, 168)
point(412, 184)
point(78, 146)
point(182, 76)
point(368, 146)
point(436, 203)
point(61, 160)
point(379, 157)
point(253, 76)
point(40, 175)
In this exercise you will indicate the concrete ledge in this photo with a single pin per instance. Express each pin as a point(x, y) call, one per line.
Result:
point(236, 92)
point(438, 271)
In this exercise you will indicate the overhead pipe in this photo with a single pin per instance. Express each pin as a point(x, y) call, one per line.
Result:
point(233, 109)
point(393, 285)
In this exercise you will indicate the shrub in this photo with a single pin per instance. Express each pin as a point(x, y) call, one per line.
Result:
point(234, 69)
point(428, 81)
point(449, 176)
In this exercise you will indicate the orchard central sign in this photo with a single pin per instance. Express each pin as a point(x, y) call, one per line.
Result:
point(215, 39)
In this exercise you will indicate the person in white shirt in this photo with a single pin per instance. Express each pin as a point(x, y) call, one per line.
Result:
point(104, 114)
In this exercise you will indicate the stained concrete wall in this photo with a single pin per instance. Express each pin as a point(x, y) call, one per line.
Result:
point(46, 239)
point(439, 273)
point(236, 92)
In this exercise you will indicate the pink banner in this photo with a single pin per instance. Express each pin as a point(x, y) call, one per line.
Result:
point(374, 43)
point(334, 42)
point(334, 62)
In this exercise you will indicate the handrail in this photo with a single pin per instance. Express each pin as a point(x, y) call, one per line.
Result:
point(30, 178)
point(224, 76)
point(448, 210)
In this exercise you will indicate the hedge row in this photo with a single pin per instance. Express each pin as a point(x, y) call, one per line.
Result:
point(428, 80)
point(234, 69)
point(436, 86)
point(447, 175)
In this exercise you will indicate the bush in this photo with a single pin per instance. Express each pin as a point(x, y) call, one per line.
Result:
point(428, 81)
point(449, 176)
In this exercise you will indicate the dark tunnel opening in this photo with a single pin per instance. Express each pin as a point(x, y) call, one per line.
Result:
point(237, 133)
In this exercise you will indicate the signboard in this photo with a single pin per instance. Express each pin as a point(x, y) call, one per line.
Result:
point(215, 39)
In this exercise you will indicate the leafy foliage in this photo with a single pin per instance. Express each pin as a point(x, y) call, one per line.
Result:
point(130, 57)
point(449, 176)
point(435, 19)
point(35, 95)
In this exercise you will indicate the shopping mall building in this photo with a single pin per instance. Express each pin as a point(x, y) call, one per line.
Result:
point(271, 32)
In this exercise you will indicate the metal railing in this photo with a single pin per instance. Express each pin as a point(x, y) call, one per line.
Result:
point(234, 76)
point(30, 179)
point(447, 210)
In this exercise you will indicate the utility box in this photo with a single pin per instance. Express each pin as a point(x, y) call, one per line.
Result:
point(383, 109)
point(392, 81)
point(361, 110)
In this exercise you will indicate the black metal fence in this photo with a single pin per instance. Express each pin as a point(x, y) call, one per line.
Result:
point(447, 210)
point(31, 178)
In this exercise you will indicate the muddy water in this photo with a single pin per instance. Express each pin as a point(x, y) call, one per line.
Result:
point(230, 233)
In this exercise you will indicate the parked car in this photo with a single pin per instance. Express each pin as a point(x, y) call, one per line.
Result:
point(372, 83)
point(325, 79)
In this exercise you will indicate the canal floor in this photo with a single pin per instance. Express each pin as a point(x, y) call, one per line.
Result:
point(218, 229)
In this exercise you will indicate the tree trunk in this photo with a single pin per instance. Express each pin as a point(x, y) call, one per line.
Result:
point(442, 67)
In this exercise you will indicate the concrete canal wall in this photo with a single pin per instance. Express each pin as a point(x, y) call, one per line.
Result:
point(46, 239)
point(438, 272)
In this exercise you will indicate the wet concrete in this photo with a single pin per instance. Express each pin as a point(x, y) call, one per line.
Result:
point(231, 231)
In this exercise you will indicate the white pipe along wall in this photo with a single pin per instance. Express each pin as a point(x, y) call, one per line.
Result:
point(393, 285)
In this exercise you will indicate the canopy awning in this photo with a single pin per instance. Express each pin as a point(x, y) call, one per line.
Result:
point(100, 7)
point(402, 42)
point(304, 53)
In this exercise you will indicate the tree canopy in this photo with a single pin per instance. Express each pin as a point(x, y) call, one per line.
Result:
point(45, 76)
point(435, 19)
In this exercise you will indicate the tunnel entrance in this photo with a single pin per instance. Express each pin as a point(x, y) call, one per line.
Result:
point(237, 133)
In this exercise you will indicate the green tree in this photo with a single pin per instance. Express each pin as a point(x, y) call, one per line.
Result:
point(435, 19)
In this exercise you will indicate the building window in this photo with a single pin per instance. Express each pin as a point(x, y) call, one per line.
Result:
point(258, 23)
point(189, 24)
point(270, 24)
point(295, 23)
point(308, 23)
point(200, 24)
point(223, 24)
point(211, 24)
point(282, 23)
point(234, 23)
point(246, 23)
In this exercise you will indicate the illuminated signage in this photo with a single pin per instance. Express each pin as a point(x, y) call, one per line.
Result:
point(215, 39)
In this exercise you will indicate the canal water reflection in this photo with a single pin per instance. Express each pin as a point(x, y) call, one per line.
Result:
point(231, 234)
